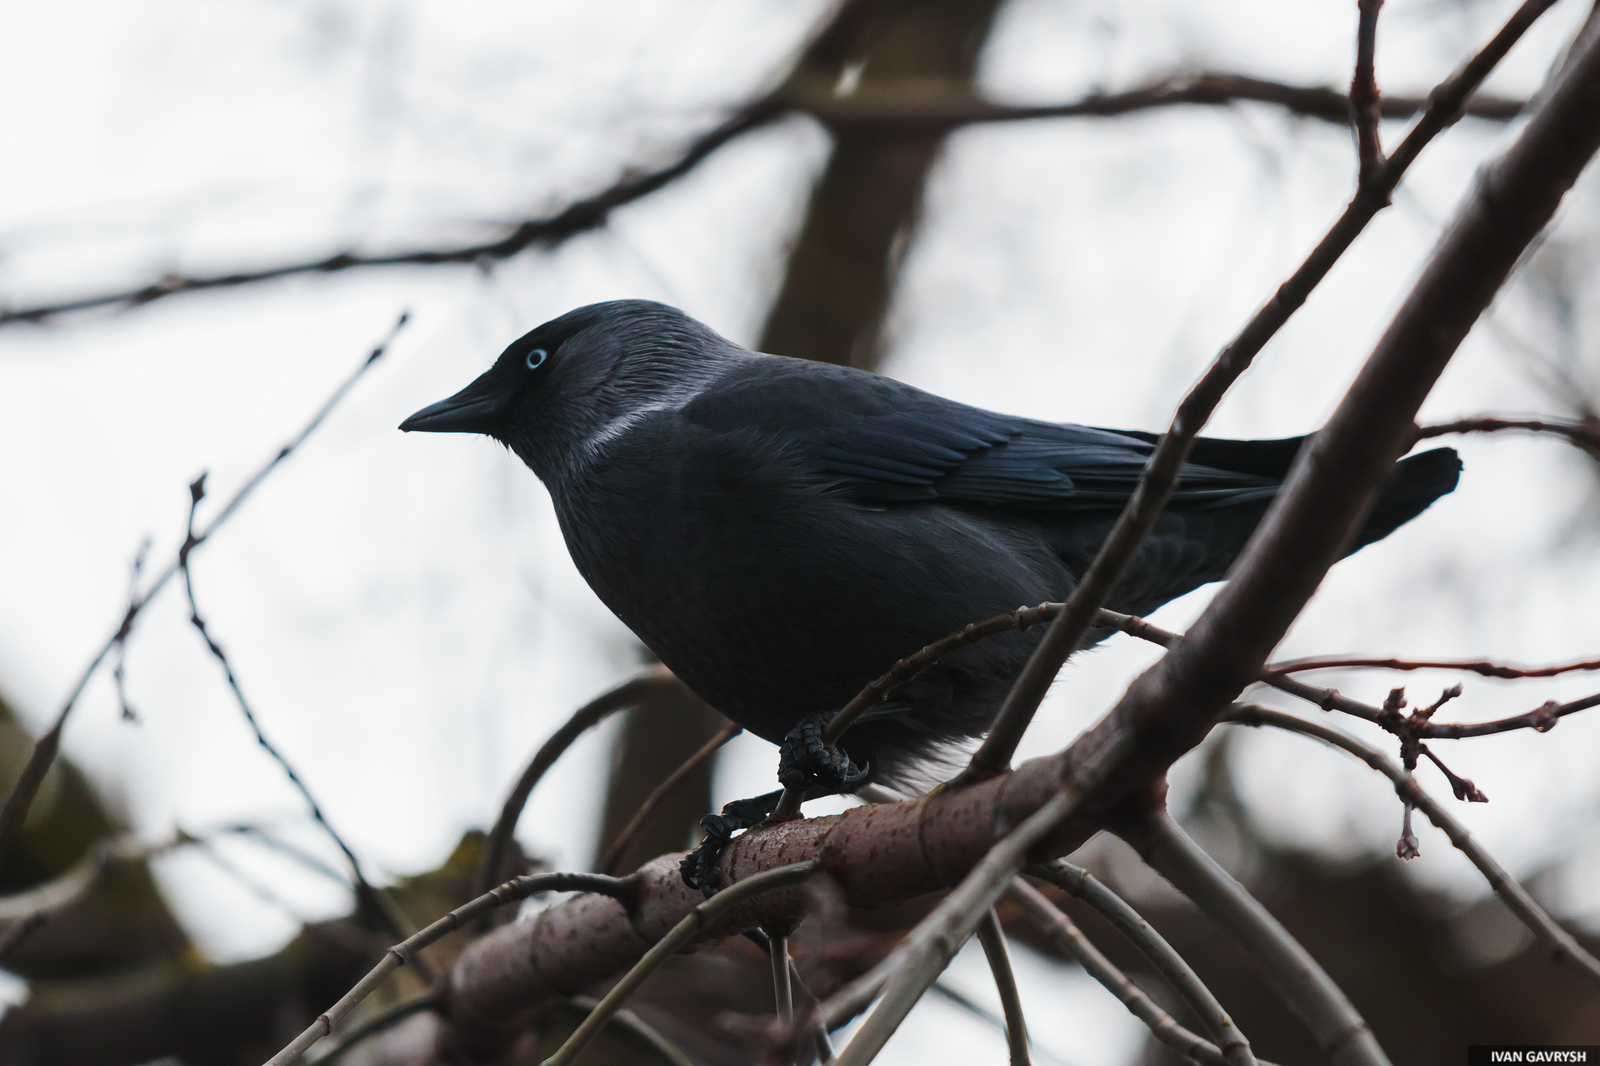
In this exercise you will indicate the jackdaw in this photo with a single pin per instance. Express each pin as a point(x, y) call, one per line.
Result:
point(779, 532)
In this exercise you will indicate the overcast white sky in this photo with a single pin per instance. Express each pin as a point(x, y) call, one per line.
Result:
point(402, 610)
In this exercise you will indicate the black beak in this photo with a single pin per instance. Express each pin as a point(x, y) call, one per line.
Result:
point(475, 409)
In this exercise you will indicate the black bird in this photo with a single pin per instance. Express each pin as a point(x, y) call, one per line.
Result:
point(779, 532)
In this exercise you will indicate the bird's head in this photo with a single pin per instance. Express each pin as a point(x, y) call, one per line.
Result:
point(557, 387)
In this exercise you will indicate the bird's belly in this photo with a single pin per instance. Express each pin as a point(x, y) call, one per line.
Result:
point(777, 605)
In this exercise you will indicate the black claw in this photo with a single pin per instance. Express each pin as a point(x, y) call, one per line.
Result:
point(699, 868)
point(805, 760)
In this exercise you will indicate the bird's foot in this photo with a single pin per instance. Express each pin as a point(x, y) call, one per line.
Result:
point(699, 868)
point(806, 761)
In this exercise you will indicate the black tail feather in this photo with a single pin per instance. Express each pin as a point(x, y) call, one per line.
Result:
point(1418, 481)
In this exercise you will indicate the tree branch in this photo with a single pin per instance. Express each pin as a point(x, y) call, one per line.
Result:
point(1065, 935)
point(1078, 882)
point(653, 682)
point(691, 766)
point(1563, 946)
point(888, 853)
point(1364, 96)
point(993, 940)
point(1306, 989)
point(1584, 434)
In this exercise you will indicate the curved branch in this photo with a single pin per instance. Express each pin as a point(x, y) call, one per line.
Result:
point(1304, 986)
point(654, 681)
point(1067, 937)
point(993, 940)
point(1078, 882)
point(689, 767)
point(1563, 946)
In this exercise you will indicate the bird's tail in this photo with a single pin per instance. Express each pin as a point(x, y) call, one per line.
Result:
point(1417, 482)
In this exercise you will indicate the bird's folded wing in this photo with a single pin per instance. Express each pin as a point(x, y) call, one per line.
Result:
point(886, 442)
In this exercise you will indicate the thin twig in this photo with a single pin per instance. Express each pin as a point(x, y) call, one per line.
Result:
point(45, 749)
point(913, 108)
point(1067, 937)
point(693, 764)
point(1562, 945)
point(782, 984)
point(1541, 719)
point(1364, 96)
point(373, 901)
point(681, 934)
point(1584, 434)
point(1161, 472)
point(383, 1021)
point(1480, 667)
point(1078, 882)
point(517, 888)
point(1305, 988)
point(637, 1027)
point(653, 682)
point(993, 940)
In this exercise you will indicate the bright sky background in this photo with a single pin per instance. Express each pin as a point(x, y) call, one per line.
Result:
point(401, 610)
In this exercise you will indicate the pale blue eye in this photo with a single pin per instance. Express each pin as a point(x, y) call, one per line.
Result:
point(536, 358)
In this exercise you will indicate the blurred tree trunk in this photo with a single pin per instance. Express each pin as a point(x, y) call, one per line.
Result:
point(840, 275)
point(864, 209)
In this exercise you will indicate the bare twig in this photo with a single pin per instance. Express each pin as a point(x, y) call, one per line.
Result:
point(1306, 989)
point(690, 766)
point(654, 681)
point(1479, 667)
point(370, 898)
point(1542, 718)
point(45, 749)
point(686, 930)
point(637, 1027)
point(384, 1020)
point(1364, 96)
point(886, 108)
point(782, 974)
point(1584, 433)
point(1561, 944)
point(1076, 881)
point(397, 956)
point(993, 940)
point(1161, 473)
point(1067, 937)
